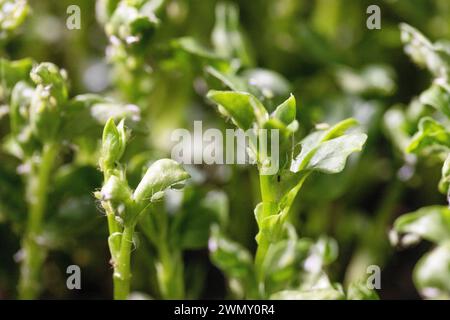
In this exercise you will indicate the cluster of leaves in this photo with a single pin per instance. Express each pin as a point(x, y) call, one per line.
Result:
point(255, 103)
point(54, 143)
point(42, 124)
point(280, 252)
point(12, 15)
point(129, 25)
point(124, 207)
point(432, 140)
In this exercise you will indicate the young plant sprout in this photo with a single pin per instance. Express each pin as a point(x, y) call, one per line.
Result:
point(324, 150)
point(432, 223)
point(264, 211)
point(43, 119)
point(123, 206)
point(129, 26)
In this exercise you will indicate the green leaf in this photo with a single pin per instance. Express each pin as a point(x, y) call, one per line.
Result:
point(48, 100)
point(116, 189)
point(20, 106)
point(282, 261)
point(12, 15)
point(397, 126)
point(232, 81)
point(243, 108)
point(53, 79)
point(430, 223)
point(327, 250)
point(101, 112)
point(86, 114)
point(226, 36)
point(286, 112)
point(162, 174)
point(444, 183)
point(233, 259)
point(327, 151)
point(114, 245)
point(431, 136)
point(113, 144)
point(432, 273)
point(321, 254)
point(331, 156)
point(372, 79)
point(104, 9)
point(191, 46)
point(438, 98)
point(338, 129)
point(269, 86)
point(423, 52)
point(270, 226)
point(129, 24)
point(12, 72)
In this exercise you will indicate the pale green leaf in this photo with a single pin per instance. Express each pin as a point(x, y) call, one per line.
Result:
point(432, 273)
point(430, 223)
point(162, 174)
point(431, 136)
point(243, 108)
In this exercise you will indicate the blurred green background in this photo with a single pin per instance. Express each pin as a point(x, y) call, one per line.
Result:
point(334, 66)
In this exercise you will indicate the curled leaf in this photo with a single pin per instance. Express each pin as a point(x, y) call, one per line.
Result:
point(116, 189)
point(243, 108)
point(429, 223)
point(162, 174)
point(432, 273)
point(286, 111)
point(113, 144)
point(437, 97)
point(431, 136)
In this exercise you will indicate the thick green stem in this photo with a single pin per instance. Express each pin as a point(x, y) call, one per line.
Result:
point(122, 274)
point(112, 223)
point(33, 254)
point(266, 185)
point(268, 197)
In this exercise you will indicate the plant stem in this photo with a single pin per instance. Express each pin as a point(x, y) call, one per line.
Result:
point(33, 253)
point(268, 197)
point(112, 223)
point(267, 192)
point(122, 274)
point(170, 273)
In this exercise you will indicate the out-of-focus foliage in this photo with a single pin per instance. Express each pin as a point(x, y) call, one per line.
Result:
point(432, 223)
point(12, 15)
point(153, 62)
